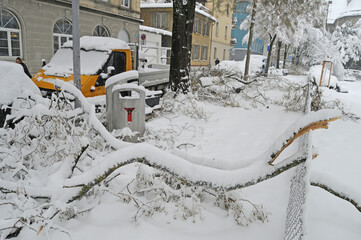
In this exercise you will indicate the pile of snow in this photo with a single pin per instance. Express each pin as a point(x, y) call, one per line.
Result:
point(208, 81)
point(316, 72)
point(239, 66)
point(99, 43)
point(13, 82)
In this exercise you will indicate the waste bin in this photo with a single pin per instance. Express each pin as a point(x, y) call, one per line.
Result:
point(128, 109)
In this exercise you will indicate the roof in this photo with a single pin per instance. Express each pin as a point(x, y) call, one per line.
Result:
point(343, 8)
point(155, 30)
point(200, 9)
point(99, 43)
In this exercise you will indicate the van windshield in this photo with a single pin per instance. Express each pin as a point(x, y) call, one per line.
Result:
point(61, 63)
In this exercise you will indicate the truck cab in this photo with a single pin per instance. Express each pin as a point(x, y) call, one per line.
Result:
point(100, 58)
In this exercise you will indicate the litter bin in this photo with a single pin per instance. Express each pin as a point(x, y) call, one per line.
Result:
point(128, 109)
point(122, 78)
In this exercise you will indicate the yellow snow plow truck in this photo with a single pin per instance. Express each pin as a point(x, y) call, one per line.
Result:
point(100, 58)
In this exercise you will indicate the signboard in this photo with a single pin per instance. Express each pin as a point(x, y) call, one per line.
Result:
point(143, 36)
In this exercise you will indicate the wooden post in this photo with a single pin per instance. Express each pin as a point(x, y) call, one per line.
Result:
point(329, 79)
point(323, 66)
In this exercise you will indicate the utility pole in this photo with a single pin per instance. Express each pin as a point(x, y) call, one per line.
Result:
point(76, 47)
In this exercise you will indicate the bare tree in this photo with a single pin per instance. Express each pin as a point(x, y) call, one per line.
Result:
point(250, 39)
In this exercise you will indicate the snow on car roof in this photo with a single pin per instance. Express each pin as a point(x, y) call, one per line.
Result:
point(98, 43)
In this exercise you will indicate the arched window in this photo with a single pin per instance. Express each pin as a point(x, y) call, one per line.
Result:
point(62, 32)
point(101, 31)
point(10, 35)
point(124, 35)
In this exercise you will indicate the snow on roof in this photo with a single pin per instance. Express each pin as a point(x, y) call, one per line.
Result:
point(13, 82)
point(199, 8)
point(155, 5)
point(341, 8)
point(155, 30)
point(99, 43)
point(203, 11)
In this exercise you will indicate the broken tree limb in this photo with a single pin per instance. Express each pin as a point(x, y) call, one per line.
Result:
point(312, 126)
point(8, 187)
point(83, 149)
point(227, 179)
point(341, 195)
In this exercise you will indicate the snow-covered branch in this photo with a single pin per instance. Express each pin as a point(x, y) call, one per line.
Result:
point(337, 189)
point(187, 172)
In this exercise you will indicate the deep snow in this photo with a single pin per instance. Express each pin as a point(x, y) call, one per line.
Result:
point(237, 133)
point(227, 136)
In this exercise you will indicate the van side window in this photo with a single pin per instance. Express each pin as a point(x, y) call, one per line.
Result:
point(116, 60)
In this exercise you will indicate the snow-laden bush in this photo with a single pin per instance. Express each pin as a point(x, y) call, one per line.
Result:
point(154, 192)
point(229, 89)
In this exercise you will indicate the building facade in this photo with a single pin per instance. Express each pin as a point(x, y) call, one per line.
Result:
point(239, 51)
point(160, 15)
point(221, 41)
point(35, 29)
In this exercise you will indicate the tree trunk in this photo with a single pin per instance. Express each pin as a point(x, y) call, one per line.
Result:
point(279, 45)
point(183, 19)
point(250, 40)
point(287, 47)
point(272, 40)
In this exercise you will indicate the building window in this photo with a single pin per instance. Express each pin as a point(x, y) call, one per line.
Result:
point(160, 20)
point(100, 31)
point(224, 54)
point(217, 29)
point(196, 52)
point(205, 28)
point(197, 26)
point(204, 53)
point(10, 35)
point(62, 33)
point(215, 53)
point(228, 9)
point(225, 32)
point(125, 3)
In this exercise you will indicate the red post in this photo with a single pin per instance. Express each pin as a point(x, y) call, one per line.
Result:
point(129, 110)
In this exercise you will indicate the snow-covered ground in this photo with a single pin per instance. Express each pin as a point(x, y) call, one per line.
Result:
point(340, 158)
point(234, 134)
point(226, 136)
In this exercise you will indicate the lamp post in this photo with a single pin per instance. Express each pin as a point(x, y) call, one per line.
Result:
point(76, 48)
point(76, 44)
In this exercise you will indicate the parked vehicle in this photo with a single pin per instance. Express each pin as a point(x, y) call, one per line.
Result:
point(100, 58)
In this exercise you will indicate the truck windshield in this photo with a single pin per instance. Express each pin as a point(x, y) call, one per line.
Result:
point(61, 63)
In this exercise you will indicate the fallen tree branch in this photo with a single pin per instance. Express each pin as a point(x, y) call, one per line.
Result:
point(303, 131)
point(341, 195)
point(267, 174)
point(241, 80)
point(83, 149)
